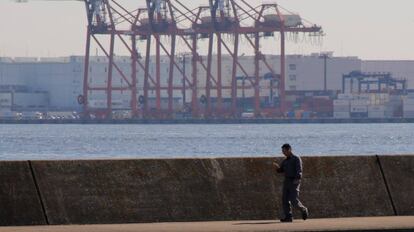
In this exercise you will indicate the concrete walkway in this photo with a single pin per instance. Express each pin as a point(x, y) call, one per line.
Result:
point(336, 224)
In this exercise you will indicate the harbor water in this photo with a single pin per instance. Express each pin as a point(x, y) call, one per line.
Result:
point(38, 142)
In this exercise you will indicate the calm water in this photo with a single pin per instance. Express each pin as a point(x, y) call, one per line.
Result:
point(21, 142)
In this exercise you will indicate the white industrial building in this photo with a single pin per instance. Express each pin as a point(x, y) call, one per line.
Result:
point(306, 73)
point(55, 83)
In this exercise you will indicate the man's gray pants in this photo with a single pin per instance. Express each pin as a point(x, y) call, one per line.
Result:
point(291, 197)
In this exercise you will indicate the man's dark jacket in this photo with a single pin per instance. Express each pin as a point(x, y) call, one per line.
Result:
point(292, 167)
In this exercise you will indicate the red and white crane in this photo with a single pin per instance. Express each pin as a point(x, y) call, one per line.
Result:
point(170, 19)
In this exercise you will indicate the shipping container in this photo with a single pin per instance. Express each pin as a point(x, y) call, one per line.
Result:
point(247, 115)
point(362, 97)
point(359, 114)
point(340, 108)
point(298, 114)
point(376, 114)
point(377, 108)
point(306, 115)
point(344, 96)
point(359, 109)
point(291, 114)
point(359, 102)
point(342, 115)
point(341, 102)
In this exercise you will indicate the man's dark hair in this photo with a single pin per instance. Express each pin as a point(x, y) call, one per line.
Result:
point(286, 146)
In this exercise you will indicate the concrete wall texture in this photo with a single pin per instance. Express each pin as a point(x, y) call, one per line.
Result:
point(19, 201)
point(165, 190)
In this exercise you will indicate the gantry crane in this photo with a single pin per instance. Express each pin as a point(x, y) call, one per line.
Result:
point(161, 18)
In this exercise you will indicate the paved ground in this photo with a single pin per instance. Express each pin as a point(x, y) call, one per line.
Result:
point(337, 224)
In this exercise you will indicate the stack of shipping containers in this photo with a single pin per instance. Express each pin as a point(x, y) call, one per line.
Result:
point(371, 105)
point(342, 106)
point(408, 106)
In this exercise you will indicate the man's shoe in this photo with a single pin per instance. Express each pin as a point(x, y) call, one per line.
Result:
point(286, 220)
point(305, 214)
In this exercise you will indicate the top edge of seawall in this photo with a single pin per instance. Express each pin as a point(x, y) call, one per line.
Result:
point(205, 158)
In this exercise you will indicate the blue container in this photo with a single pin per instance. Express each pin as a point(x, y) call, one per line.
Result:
point(291, 114)
point(306, 114)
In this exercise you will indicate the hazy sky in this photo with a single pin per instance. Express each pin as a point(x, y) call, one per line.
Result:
point(371, 29)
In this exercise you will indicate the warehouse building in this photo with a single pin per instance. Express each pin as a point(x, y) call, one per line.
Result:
point(53, 84)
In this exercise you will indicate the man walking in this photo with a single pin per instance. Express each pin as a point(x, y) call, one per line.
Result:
point(292, 169)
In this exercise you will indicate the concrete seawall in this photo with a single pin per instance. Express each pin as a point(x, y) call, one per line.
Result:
point(167, 190)
point(19, 201)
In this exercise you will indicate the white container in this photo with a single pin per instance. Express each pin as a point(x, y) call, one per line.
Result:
point(359, 103)
point(376, 114)
point(341, 108)
point(362, 97)
point(247, 115)
point(342, 115)
point(376, 108)
point(344, 96)
point(359, 109)
point(341, 102)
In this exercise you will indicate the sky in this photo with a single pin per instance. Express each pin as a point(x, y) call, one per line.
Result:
point(370, 29)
